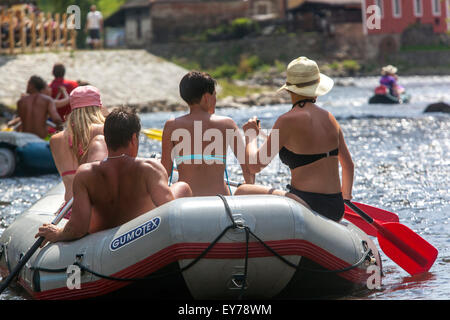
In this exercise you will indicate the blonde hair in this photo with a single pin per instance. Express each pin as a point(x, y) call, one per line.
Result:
point(79, 122)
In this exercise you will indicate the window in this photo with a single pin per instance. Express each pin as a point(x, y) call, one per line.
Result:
point(262, 9)
point(436, 7)
point(418, 8)
point(379, 3)
point(396, 8)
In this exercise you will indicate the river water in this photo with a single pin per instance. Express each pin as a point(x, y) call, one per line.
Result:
point(402, 164)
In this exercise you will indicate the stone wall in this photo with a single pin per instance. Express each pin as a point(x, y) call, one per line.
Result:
point(171, 19)
point(268, 48)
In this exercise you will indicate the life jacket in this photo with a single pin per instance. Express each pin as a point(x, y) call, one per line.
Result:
point(381, 90)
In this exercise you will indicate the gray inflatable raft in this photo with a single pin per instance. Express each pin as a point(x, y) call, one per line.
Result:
point(196, 248)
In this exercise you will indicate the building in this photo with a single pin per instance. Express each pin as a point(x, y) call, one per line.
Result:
point(404, 22)
point(323, 15)
point(145, 21)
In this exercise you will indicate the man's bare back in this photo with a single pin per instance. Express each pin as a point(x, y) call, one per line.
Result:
point(116, 190)
point(34, 110)
point(119, 189)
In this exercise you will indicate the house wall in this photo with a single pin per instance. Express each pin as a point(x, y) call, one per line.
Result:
point(138, 28)
point(170, 19)
point(396, 24)
point(260, 8)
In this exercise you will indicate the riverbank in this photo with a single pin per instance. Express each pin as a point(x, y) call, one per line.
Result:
point(149, 83)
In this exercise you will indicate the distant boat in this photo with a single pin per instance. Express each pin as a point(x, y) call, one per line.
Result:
point(24, 154)
point(383, 96)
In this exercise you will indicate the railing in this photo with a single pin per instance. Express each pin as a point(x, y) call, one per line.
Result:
point(21, 33)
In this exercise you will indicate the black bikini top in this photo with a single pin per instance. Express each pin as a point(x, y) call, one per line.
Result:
point(294, 160)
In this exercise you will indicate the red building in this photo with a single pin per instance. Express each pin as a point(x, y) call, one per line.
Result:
point(397, 15)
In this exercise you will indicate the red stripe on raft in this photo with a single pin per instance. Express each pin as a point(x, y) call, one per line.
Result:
point(182, 251)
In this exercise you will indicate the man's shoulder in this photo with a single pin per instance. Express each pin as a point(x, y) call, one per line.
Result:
point(225, 121)
point(88, 168)
point(149, 166)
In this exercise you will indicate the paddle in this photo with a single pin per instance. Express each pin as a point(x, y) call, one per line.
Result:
point(405, 247)
point(377, 214)
point(154, 134)
point(33, 249)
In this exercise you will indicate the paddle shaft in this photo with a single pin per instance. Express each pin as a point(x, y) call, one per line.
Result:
point(33, 249)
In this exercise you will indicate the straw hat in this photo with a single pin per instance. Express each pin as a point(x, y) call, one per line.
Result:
point(305, 79)
point(389, 69)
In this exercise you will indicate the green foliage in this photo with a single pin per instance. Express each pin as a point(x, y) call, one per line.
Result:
point(351, 65)
point(224, 71)
point(238, 28)
point(241, 27)
point(228, 88)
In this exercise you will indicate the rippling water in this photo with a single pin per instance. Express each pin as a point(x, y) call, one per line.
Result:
point(402, 164)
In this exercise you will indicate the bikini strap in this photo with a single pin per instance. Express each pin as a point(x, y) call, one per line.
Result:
point(301, 103)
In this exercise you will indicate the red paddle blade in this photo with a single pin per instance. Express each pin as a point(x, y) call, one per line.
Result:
point(406, 248)
point(359, 222)
point(375, 213)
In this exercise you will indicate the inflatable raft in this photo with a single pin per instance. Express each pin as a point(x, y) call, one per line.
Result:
point(255, 247)
point(24, 154)
point(389, 99)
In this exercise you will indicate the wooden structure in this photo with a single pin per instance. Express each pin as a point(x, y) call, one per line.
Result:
point(22, 33)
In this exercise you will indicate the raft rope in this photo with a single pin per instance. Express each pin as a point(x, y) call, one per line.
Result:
point(234, 225)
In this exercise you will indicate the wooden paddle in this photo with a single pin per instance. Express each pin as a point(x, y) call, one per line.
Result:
point(33, 249)
point(405, 247)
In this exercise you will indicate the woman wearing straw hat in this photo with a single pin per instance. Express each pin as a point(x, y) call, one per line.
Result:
point(389, 79)
point(82, 141)
point(310, 142)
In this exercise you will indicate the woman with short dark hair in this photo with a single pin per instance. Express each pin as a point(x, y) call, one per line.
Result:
point(197, 142)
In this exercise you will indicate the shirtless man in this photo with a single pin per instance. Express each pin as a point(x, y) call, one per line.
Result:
point(117, 189)
point(34, 109)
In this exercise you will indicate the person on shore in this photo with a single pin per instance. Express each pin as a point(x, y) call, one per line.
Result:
point(94, 26)
point(204, 168)
point(59, 72)
point(82, 141)
point(310, 142)
point(34, 108)
point(113, 191)
point(389, 79)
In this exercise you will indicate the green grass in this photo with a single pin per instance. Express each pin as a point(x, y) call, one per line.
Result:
point(228, 88)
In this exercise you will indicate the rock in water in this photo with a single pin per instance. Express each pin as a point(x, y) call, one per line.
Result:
point(438, 107)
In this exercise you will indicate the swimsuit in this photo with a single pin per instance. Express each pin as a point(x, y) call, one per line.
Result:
point(180, 159)
point(329, 205)
point(80, 152)
point(68, 173)
point(294, 160)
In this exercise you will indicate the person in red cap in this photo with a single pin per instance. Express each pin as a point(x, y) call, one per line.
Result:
point(58, 72)
point(82, 141)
